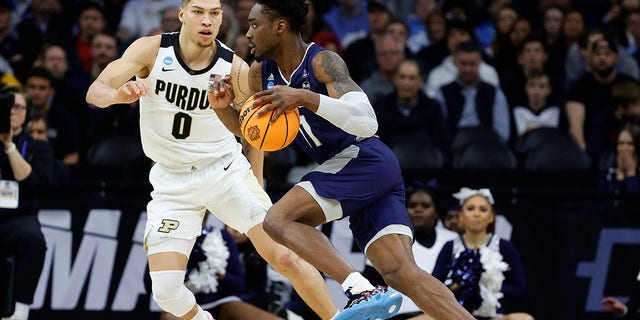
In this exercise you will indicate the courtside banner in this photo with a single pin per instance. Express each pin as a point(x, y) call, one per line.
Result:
point(575, 251)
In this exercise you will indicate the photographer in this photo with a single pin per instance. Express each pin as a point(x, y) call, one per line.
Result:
point(25, 171)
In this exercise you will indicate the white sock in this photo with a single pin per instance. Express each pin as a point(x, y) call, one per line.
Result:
point(356, 283)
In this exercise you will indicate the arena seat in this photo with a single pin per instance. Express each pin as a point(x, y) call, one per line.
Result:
point(416, 156)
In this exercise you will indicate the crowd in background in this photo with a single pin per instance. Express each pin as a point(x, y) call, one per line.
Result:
point(475, 85)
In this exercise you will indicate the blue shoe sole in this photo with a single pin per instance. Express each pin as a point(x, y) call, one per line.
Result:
point(379, 307)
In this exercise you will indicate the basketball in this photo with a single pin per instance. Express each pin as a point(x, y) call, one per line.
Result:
point(264, 135)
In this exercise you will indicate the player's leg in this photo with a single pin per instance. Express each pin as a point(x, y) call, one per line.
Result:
point(292, 220)
point(243, 208)
point(304, 278)
point(392, 257)
point(174, 220)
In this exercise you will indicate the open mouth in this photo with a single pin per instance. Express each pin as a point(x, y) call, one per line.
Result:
point(206, 34)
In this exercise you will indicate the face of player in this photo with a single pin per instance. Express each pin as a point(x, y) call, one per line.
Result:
point(201, 21)
point(261, 33)
point(477, 214)
point(421, 210)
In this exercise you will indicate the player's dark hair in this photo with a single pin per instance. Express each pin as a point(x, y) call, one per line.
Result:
point(294, 11)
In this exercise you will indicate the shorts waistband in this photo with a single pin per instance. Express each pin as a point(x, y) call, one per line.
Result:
point(198, 165)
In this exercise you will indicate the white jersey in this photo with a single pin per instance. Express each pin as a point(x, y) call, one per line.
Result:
point(177, 126)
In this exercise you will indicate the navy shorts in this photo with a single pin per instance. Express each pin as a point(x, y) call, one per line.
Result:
point(366, 180)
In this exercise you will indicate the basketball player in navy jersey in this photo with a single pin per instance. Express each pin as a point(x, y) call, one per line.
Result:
point(357, 177)
point(198, 163)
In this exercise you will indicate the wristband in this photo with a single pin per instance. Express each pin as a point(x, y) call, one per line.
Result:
point(13, 147)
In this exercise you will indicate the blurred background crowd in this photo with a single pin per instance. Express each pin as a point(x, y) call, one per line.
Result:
point(493, 85)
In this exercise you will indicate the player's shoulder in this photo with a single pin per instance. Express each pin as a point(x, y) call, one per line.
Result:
point(142, 48)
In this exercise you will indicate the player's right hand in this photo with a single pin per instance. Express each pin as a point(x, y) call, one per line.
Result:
point(221, 93)
point(131, 91)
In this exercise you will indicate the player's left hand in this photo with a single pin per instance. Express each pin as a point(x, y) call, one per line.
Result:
point(282, 98)
point(220, 93)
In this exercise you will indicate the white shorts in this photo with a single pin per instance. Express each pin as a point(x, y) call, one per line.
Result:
point(225, 186)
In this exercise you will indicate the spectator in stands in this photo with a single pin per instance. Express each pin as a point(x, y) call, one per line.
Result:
point(360, 55)
point(579, 62)
point(418, 24)
point(432, 55)
point(241, 10)
point(553, 36)
point(468, 100)
point(229, 27)
point(38, 127)
point(169, 21)
point(623, 176)
point(537, 112)
point(483, 270)
point(574, 27)
point(590, 95)
point(408, 114)
point(91, 21)
point(101, 123)
point(347, 19)
point(43, 22)
point(423, 207)
point(532, 57)
point(521, 30)
point(451, 219)
point(400, 30)
point(502, 53)
point(389, 53)
point(8, 38)
point(446, 72)
point(140, 17)
point(216, 276)
point(26, 166)
point(63, 129)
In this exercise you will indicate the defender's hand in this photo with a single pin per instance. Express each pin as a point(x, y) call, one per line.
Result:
point(220, 93)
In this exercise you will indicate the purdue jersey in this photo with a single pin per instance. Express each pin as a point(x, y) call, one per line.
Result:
point(177, 125)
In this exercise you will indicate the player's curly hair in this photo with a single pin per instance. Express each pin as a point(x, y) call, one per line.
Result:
point(294, 11)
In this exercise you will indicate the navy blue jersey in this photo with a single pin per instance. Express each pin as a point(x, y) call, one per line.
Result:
point(320, 139)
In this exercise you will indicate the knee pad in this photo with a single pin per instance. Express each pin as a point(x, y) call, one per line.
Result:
point(170, 293)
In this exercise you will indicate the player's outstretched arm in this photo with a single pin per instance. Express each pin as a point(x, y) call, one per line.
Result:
point(113, 85)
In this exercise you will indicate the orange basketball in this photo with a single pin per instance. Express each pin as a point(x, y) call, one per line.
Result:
point(264, 135)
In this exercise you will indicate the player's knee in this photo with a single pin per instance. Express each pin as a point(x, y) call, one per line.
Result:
point(170, 293)
point(273, 227)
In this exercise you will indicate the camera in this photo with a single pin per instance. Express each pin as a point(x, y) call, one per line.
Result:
point(6, 104)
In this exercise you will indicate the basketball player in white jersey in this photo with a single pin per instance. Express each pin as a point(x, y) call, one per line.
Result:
point(198, 163)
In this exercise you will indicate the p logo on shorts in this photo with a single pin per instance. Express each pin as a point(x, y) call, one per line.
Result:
point(168, 225)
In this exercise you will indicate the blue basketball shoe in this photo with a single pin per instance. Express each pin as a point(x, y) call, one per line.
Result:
point(379, 303)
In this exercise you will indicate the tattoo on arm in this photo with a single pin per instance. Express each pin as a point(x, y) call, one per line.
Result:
point(238, 79)
point(338, 73)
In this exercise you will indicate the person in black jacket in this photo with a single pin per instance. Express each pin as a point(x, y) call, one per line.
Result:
point(25, 170)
